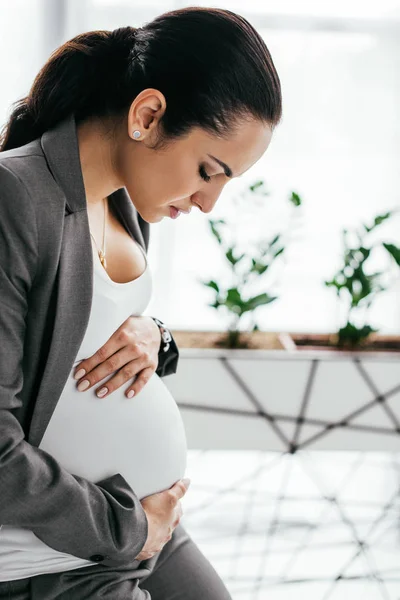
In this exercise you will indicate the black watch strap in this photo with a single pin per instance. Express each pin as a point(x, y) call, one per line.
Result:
point(166, 336)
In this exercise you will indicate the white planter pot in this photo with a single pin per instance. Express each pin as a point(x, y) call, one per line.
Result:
point(285, 401)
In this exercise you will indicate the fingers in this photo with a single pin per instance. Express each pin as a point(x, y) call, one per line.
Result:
point(178, 516)
point(126, 354)
point(179, 513)
point(97, 367)
point(179, 489)
point(118, 364)
point(127, 372)
point(173, 495)
point(140, 381)
point(145, 555)
point(99, 357)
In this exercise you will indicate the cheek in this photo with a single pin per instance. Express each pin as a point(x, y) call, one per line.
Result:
point(181, 174)
point(167, 182)
point(176, 185)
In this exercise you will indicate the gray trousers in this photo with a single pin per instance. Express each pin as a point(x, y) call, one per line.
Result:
point(180, 571)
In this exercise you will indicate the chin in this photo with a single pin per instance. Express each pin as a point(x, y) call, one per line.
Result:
point(154, 219)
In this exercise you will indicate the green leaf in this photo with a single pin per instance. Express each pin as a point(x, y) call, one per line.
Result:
point(215, 304)
point(275, 240)
point(231, 258)
point(234, 301)
point(258, 267)
point(368, 285)
point(394, 251)
point(256, 301)
point(378, 220)
point(212, 284)
point(365, 252)
point(295, 199)
point(352, 335)
point(279, 252)
point(215, 232)
point(256, 185)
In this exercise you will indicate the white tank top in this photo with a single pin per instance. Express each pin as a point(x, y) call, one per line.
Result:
point(142, 438)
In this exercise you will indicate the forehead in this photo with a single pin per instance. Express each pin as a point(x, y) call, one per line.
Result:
point(245, 145)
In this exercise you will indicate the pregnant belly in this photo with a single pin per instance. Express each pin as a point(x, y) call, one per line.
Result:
point(142, 438)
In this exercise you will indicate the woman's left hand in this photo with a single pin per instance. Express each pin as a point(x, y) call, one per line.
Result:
point(131, 350)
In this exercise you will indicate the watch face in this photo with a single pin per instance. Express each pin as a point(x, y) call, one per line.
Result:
point(166, 336)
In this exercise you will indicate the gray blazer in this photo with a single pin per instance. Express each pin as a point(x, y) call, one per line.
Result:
point(45, 299)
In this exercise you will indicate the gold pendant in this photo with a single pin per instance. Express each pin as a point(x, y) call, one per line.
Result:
point(102, 258)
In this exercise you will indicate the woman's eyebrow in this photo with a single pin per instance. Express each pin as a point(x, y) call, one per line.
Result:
point(227, 170)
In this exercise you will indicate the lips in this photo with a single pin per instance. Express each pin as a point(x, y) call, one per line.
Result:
point(174, 212)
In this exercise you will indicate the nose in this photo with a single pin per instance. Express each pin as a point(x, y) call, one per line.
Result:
point(208, 200)
point(206, 207)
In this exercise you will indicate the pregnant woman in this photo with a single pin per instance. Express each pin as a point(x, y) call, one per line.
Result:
point(119, 130)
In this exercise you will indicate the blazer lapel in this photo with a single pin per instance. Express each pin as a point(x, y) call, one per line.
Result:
point(75, 274)
point(72, 309)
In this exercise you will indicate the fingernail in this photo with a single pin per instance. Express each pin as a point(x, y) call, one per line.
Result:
point(102, 392)
point(79, 374)
point(131, 393)
point(83, 385)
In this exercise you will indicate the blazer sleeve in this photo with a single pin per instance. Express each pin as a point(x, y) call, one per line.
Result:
point(102, 521)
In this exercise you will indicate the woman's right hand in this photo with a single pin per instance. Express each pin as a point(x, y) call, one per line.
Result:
point(163, 511)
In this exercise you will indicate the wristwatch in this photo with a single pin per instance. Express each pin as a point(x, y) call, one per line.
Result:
point(166, 336)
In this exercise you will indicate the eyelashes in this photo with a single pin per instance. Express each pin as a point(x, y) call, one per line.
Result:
point(203, 174)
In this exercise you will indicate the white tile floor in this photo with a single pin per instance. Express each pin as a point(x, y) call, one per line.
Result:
point(313, 526)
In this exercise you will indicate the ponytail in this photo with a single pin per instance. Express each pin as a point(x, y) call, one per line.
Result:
point(77, 78)
point(212, 66)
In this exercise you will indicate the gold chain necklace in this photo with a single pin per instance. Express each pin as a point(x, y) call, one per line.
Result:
point(102, 252)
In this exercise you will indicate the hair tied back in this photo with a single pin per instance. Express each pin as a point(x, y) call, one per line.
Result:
point(123, 38)
point(211, 65)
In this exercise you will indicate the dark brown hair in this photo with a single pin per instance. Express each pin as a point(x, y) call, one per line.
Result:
point(211, 65)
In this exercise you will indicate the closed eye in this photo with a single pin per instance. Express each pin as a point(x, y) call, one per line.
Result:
point(203, 174)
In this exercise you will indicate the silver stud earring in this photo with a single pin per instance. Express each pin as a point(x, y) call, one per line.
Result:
point(136, 134)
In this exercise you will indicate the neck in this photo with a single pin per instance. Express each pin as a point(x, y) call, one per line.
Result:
point(96, 157)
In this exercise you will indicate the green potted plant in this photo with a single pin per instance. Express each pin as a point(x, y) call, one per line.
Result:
point(357, 288)
point(236, 301)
